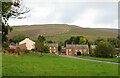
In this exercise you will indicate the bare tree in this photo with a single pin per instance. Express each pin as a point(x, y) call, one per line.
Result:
point(11, 9)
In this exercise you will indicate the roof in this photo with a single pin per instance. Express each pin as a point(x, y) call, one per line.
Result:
point(52, 44)
point(76, 46)
point(26, 40)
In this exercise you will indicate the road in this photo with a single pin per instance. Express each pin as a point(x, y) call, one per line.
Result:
point(89, 59)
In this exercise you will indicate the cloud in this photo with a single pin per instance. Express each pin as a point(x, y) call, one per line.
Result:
point(87, 18)
point(97, 15)
point(84, 14)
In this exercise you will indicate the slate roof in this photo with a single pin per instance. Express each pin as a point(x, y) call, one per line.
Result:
point(52, 44)
point(76, 46)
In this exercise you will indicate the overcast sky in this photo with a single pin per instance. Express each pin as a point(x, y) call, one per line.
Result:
point(92, 14)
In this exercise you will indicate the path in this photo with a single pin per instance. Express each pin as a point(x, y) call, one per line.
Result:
point(89, 59)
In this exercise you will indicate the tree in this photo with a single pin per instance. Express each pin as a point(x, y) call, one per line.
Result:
point(59, 49)
point(82, 40)
point(118, 37)
point(10, 9)
point(89, 46)
point(114, 41)
point(17, 38)
point(98, 40)
point(118, 41)
point(60, 45)
point(76, 40)
point(104, 49)
point(41, 38)
point(45, 49)
point(39, 45)
point(50, 41)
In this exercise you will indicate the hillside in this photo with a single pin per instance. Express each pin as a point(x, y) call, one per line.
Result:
point(61, 32)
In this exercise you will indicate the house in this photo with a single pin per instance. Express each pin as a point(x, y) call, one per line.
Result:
point(73, 50)
point(22, 47)
point(29, 43)
point(53, 48)
point(13, 46)
point(117, 51)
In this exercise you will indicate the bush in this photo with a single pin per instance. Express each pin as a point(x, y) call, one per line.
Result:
point(45, 49)
point(17, 38)
point(104, 49)
point(5, 45)
point(39, 46)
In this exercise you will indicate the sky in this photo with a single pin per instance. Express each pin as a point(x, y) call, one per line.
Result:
point(83, 13)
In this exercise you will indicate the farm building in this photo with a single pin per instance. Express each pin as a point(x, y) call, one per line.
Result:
point(29, 43)
point(13, 46)
point(53, 47)
point(76, 49)
point(118, 51)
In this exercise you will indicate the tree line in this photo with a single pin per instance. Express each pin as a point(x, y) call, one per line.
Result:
point(104, 47)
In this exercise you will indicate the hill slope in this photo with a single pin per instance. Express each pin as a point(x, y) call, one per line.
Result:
point(61, 32)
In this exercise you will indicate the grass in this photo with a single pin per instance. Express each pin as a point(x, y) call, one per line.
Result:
point(101, 59)
point(0, 64)
point(51, 65)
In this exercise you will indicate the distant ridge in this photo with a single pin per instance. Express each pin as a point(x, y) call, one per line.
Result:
point(61, 32)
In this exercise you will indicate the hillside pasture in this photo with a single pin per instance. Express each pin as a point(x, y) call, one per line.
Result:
point(61, 32)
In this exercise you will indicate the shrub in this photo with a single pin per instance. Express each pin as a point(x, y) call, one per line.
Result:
point(104, 49)
point(17, 38)
point(45, 49)
point(5, 45)
point(39, 47)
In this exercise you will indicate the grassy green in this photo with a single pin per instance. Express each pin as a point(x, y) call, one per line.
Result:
point(61, 32)
point(51, 65)
point(101, 59)
point(0, 64)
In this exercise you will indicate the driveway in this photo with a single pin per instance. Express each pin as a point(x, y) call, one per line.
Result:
point(89, 59)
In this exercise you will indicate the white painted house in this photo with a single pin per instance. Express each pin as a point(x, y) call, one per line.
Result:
point(29, 43)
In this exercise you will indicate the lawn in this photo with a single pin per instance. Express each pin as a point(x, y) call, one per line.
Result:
point(51, 65)
point(101, 59)
point(0, 65)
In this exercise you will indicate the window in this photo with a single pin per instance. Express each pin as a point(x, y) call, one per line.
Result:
point(54, 50)
point(69, 49)
point(50, 51)
point(50, 47)
point(76, 50)
point(54, 47)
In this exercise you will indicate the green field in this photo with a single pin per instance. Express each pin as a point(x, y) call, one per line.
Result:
point(0, 64)
point(51, 65)
point(61, 32)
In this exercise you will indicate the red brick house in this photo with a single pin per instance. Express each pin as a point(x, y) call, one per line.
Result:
point(53, 48)
point(73, 50)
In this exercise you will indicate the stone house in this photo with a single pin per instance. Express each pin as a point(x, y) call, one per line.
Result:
point(73, 50)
